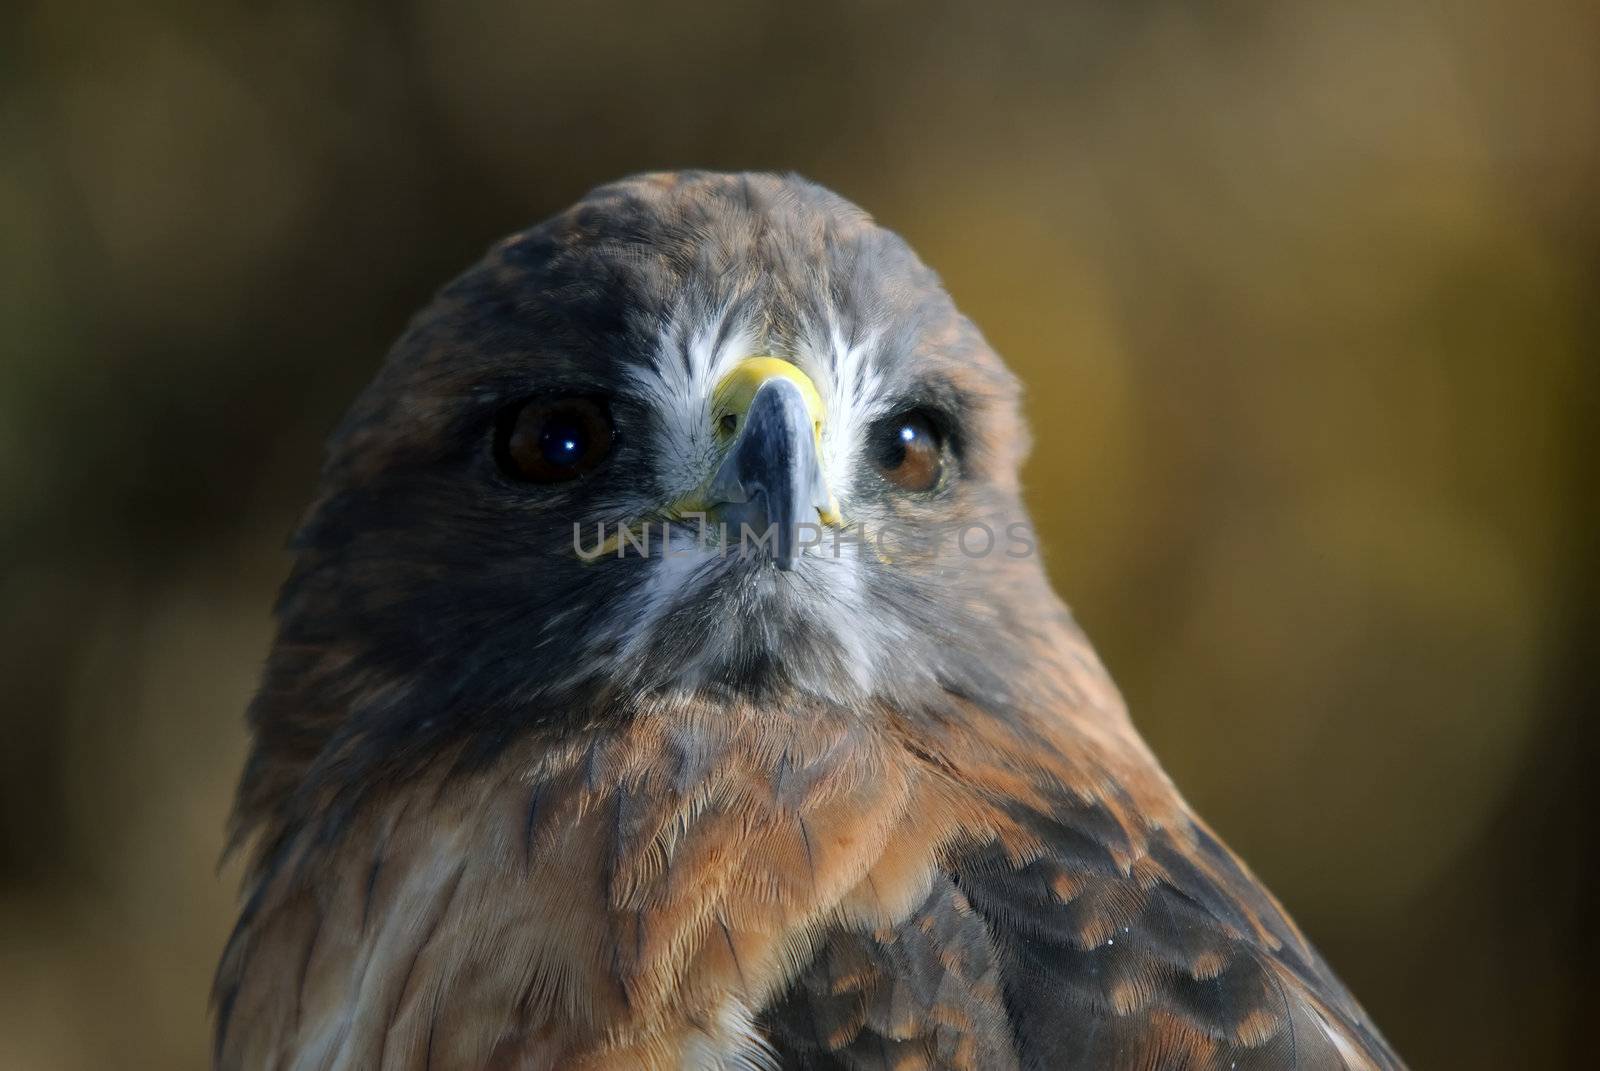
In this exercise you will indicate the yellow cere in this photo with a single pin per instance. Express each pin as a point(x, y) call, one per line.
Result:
point(734, 393)
point(731, 398)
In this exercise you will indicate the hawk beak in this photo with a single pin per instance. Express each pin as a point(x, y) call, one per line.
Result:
point(771, 478)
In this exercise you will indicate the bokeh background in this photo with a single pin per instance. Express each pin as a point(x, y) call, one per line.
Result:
point(1306, 296)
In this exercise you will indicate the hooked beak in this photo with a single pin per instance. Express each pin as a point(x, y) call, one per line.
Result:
point(771, 478)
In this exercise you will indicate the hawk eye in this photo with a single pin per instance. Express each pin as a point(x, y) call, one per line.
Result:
point(551, 440)
point(910, 451)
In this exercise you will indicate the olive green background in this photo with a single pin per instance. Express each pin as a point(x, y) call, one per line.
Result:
point(1304, 294)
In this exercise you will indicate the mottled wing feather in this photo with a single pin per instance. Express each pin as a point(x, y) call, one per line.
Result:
point(923, 995)
point(1165, 953)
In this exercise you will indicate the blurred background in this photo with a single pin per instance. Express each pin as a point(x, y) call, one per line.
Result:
point(1306, 296)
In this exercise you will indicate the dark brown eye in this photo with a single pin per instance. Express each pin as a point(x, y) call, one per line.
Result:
point(550, 440)
point(910, 451)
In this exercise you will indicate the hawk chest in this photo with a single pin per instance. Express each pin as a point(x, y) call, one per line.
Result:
point(612, 903)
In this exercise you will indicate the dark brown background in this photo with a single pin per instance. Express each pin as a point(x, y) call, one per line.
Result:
point(1305, 296)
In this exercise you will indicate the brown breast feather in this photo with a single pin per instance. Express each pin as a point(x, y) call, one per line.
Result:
point(747, 885)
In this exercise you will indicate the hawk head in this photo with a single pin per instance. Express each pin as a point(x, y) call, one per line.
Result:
point(701, 432)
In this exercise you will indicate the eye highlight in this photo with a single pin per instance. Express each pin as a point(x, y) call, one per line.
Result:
point(909, 451)
point(553, 440)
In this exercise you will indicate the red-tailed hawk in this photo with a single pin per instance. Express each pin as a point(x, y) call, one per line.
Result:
point(667, 680)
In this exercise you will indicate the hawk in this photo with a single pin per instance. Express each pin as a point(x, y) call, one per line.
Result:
point(666, 679)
